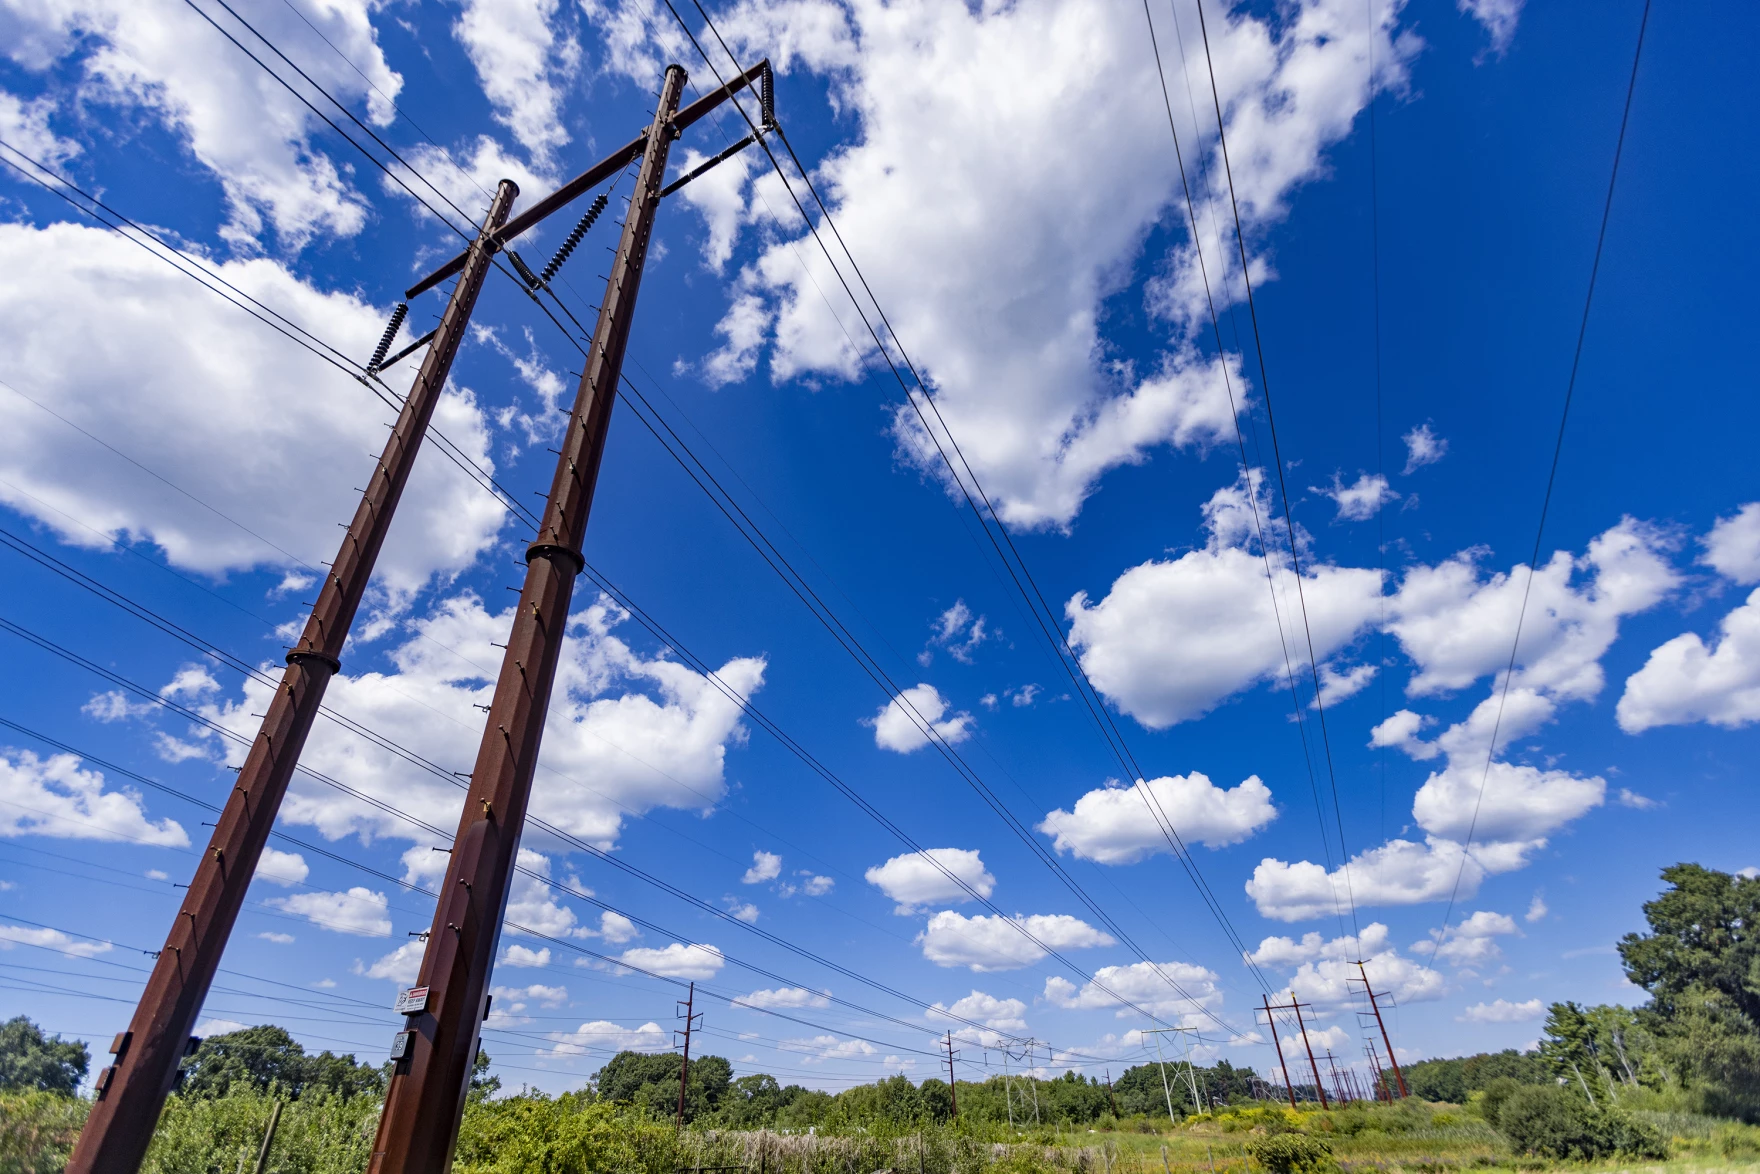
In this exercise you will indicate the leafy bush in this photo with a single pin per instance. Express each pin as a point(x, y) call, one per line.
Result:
point(320, 1133)
point(570, 1134)
point(1550, 1122)
point(1291, 1153)
point(37, 1131)
point(1494, 1095)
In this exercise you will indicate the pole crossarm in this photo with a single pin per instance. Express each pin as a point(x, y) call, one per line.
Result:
point(130, 1094)
point(598, 173)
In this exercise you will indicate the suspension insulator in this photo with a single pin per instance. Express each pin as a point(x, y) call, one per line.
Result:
point(574, 238)
point(767, 96)
point(398, 313)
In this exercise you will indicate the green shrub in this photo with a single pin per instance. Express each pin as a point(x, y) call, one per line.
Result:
point(1491, 1099)
point(37, 1131)
point(1737, 1141)
point(322, 1132)
point(1291, 1153)
point(570, 1134)
point(1551, 1122)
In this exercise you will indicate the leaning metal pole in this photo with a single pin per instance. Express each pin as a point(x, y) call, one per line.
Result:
point(131, 1092)
point(419, 1126)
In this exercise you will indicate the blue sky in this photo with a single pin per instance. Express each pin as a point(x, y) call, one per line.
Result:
point(1005, 177)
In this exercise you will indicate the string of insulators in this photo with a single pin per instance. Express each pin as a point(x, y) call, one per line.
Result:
point(574, 238)
point(767, 96)
point(398, 313)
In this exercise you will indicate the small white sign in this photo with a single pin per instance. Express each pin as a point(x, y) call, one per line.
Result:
point(412, 1001)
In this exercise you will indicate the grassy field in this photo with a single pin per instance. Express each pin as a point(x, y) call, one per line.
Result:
point(537, 1135)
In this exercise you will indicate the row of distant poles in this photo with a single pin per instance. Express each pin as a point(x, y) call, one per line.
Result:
point(1343, 1085)
point(437, 1049)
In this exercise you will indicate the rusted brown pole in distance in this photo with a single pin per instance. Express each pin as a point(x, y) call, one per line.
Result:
point(684, 1068)
point(1272, 1023)
point(1379, 1022)
point(1319, 1088)
point(130, 1094)
point(953, 1085)
point(419, 1125)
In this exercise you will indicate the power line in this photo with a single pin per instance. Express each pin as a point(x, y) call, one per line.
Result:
point(1008, 816)
point(1282, 484)
point(1552, 473)
point(1101, 717)
point(1240, 438)
point(512, 502)
point(779, 562)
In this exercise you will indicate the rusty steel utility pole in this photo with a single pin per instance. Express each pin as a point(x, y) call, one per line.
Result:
point(1272, 1023)
point(684, 1069)
point(419, 1125)
point(1303, 1028)
point(1376, 1007)
point(1110, 1099)
point(952, 1087)
point(130, 1093)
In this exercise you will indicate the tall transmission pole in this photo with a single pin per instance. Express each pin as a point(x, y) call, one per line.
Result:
point(1303, 1028)
point(1191, 1074)
point(1382, 1024)
point(952, 1085)
point(1110, 1099)
point(425, 1100)
point(131, 1092)
point(1272, 1023)
point(684, 1068)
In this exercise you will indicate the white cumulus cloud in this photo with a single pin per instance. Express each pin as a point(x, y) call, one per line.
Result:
point(54, 797)
point(1007, 324)
point(358, 911)
point(282, 868)
point(932, 877)
point(1687, 680)
point(765, 866)
point(1503, 1011)
point(986, 943)
point(1175, 989)
point(1174, 638)
point(794, 996)
point(694, 961)
point(905, 723)
point(1117, 825)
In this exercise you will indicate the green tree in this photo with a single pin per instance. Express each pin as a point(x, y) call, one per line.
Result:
point(1701, 965)
point(651, 1082)
point(266, 1056)
point(1452, 1079)
point(1705, 935)
point(483, 1084)
point(31, 1060)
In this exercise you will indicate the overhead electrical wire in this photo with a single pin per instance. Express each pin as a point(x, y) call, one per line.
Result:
point(348, 138)
point(1240, 440)
point(779, 562)
point(393, 879)
point(1104, 719)
point(1570, 390)
point(934, 735)
point(1380, 429)
point(496, 490)
point(1277, 455)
